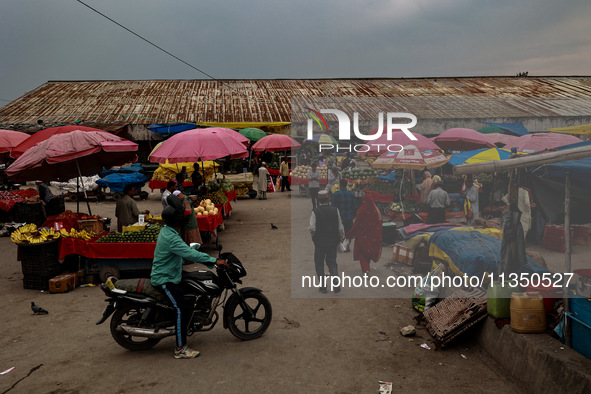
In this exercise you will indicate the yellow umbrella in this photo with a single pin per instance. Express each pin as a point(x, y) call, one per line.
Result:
point(579, 130)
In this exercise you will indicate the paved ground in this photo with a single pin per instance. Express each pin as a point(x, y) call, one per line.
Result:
point(314, 345)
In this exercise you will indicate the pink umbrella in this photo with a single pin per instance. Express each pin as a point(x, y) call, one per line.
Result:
point(44, 134)
point(501, 139)
point(10, 138)
point(65, 156)
point(231, 133)
point(410, 158)
point(68, 155)
point(275, 142)
point(540, 141)
point(198, 144)
point(379, 146)
point(462, 140)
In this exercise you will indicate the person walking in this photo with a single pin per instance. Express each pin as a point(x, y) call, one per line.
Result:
point(284, 172)
point(367, 232)
point(126, 209)
point(262, 181)
point(314, 184)
point(326, 229)
point(437, 200)
point(344, 201)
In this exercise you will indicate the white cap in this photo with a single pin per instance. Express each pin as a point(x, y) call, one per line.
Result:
point(176, 192)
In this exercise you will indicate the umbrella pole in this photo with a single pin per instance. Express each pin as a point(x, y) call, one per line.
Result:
point(77, 192)
point(83, 188)
point(567, 258)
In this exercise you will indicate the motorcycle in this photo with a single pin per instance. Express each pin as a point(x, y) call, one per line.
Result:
point(141, 320)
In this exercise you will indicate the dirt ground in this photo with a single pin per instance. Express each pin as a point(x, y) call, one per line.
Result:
point(323, 344)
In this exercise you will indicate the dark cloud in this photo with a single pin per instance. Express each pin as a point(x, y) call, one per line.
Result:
point(63, 40)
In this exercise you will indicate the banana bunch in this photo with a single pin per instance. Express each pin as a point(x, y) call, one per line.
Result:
point(73, 233)
point(29, 234)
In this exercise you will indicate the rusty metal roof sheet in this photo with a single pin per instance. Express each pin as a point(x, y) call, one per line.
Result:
point(113, 104)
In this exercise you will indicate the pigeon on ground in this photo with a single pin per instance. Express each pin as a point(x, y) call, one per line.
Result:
point(38, 310)
point(274, 227)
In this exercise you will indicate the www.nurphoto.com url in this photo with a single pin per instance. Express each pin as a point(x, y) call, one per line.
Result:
point(545, 280)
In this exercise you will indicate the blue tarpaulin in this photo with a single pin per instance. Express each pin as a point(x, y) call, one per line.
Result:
point(117, 181)
point(135, 167)
point(171, 128)
point(474, 253)
point(389, 177)
point(513, 128)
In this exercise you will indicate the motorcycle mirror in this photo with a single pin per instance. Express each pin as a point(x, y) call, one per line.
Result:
point(219, 248)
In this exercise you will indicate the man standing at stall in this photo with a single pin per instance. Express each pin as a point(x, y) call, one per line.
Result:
point(126, 210)
point(284, 172)
point(438, 200)
point(170, 187)
point(327, 231)
point(262, 181)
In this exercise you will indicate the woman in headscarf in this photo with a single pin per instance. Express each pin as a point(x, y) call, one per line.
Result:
point(367, 232)
point(426, 186)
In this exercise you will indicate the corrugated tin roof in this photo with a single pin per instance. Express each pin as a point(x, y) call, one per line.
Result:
point(113, 104)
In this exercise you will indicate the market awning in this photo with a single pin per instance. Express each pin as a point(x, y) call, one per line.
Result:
point(579, 130)
point(515, 128)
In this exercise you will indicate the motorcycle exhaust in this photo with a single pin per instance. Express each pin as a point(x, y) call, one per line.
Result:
point(145, 332)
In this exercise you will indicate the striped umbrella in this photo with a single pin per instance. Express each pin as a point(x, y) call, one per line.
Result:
point(479, 156)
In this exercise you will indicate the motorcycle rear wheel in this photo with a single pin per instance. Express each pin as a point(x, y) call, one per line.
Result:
point(241, 325)
point(130, 315)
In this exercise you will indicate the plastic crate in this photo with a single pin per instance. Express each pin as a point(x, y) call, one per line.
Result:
point(29, 213)
point(41, 267)
point(581, 325)
point(46, 251)
point(554, 238)
point(37, 282)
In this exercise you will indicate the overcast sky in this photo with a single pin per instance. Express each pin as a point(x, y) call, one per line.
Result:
point(43, 40)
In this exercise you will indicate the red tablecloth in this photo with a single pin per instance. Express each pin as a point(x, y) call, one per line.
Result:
point(107, 250)
point(225, 208)
point(7, 205)
point(209, 222)
point(302, 181)
point(379, 197)
point(273, 172)
point(154, 184)
point(231, 196)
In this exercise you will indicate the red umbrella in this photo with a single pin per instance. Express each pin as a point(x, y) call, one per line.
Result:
point(10, 138)
point(44, 134)
point(379, 146)
point(462, 140)
point(275, 142)
point(198, 144)
point(540, 141)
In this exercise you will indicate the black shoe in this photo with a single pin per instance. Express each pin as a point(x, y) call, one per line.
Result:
point(322, 290)
point(260, 198)
point(337, 290)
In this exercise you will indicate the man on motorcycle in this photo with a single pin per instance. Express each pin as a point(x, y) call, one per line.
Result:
point(166, 274)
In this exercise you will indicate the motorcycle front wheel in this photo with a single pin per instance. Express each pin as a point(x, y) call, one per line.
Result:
point(252, 323)
point(130, 315)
